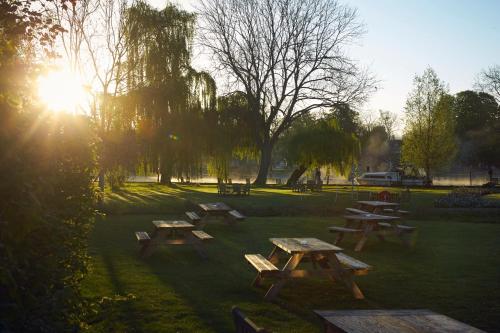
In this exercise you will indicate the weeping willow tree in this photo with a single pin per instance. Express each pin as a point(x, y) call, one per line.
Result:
point(169, 98)
point(233, 134)
point(316, 143)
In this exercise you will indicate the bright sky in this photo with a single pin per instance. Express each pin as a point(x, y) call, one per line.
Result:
point(458, 38)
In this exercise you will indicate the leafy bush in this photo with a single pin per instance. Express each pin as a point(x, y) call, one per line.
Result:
point(46, 190)
point(46, 209)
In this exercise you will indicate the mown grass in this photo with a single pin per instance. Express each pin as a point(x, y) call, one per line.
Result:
point(452, 269)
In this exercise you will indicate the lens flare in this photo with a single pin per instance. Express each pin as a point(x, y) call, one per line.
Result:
point(61, 91)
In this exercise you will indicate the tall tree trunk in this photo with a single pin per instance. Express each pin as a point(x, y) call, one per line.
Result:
point(165, 170)
point(265, 163)
point(296, 174)
point(428, 179)
point(101, 180)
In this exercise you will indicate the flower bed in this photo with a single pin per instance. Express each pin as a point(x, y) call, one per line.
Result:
point(466, 198)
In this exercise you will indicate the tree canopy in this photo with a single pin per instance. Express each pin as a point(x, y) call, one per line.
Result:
point(319, 142)
point(288, 57)
point(477, 117)
point(429, 139)
point(489, 81)
point(167, 96)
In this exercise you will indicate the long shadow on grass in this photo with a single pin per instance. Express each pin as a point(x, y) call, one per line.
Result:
point(119, 288)
point(224, 280)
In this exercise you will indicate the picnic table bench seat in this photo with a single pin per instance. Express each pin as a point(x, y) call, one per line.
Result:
point(396, 211)
point(243, 324)
point(142, 236)
point(356, 211)
point(193, 216)
point(356, 266)
point(201, 235)
point(261, 264)
point(236, 215)
point(402, 228)
point(344, 229)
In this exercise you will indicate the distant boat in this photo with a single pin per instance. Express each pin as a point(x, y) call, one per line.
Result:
point(387, 179)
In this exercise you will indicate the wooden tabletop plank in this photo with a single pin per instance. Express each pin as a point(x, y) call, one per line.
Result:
point(173, 224)
point(215, 207)
point(394, 321)
point(371, 217)
point(304, 245)
point(375, 203)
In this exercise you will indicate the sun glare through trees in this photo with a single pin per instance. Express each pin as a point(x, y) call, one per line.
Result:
point(62, 91)
point(357, 142)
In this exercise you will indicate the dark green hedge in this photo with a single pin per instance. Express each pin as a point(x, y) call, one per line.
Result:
point(46, 212)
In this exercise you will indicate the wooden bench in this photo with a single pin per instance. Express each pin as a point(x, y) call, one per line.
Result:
point(195, 218)
point(406, 228)
point(262, 265)
point(235, 215)
point(401, 227)
point(344, 230)
point(356, 266)
point(356, 211)
point(396, 211)
point(243, 324)
point(145, 243)
point(142, 237)
point(201, 235)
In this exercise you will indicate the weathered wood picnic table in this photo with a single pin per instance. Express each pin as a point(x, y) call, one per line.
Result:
point(374, 206)
point(326, 259)
point(172, 233)
point(367, 224)
point(391, 321)
point(219, 209)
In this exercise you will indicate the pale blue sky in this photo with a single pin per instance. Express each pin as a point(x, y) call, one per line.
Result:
point(458, 38)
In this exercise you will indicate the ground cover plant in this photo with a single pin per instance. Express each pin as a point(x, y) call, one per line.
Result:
point(452, 268)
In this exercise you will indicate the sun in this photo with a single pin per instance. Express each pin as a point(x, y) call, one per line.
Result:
point(61, 91)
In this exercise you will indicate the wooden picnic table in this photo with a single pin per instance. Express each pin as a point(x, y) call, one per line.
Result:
point(374, 206)
point(368, 224)
point(391, 321)
point(174, 233)
point(214, 208)
point(326, 259)
point(219, 209)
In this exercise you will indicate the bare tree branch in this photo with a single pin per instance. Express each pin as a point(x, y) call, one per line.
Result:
point(287, 55)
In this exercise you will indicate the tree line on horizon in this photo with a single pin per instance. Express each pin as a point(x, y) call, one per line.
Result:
point(293, 93)
point(164, 117)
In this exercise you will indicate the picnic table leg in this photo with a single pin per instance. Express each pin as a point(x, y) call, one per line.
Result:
point(339, 238)
point(273, 257)
point(341, 274)
point(276, 287)
point(348, 224)
point(146, 249)
point(201, 224)
point(197, 244)
point(149, 247)
point(380, 234)
point(405, 238)
point(364, 237)
point(323, 263)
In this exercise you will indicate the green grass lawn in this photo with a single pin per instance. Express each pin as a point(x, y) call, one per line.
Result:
point(454, 267)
